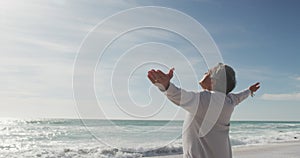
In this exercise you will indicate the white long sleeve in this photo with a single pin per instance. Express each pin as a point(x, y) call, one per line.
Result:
point(187, 100)
point(239, 97)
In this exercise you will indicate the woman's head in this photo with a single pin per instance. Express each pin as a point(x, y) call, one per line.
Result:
point(220, 78)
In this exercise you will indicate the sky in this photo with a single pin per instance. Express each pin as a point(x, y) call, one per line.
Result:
point(41, 42)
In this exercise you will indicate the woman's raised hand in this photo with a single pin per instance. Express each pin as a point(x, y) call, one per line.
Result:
point(160, 79)
point(254, 88)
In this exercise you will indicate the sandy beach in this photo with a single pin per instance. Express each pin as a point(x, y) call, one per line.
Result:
point(277, 150)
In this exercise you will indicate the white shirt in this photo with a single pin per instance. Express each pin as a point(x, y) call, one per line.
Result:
point(216, 143)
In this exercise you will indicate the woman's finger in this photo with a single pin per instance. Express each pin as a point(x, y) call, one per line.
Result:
point(257, 86)
point(171, 71)
point(151, 78)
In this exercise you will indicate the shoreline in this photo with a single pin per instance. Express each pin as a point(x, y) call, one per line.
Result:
point(275, 150)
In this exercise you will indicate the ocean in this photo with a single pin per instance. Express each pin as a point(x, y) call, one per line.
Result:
point(68, 138)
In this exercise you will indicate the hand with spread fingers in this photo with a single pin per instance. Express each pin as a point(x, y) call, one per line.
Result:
point(160, 79)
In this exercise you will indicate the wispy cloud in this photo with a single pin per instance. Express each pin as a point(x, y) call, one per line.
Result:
point(287, 96)
point(48, 45)
point(294, 77)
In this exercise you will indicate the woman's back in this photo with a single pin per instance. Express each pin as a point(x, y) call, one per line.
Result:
point(215, 143)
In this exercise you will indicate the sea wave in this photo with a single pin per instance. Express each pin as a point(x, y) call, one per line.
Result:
point(101, 152)
point(62, 138)
point(56, 150)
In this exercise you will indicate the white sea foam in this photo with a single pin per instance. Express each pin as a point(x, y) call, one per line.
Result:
point(102, 152)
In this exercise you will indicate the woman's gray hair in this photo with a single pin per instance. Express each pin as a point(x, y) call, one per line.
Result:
point(224, 76)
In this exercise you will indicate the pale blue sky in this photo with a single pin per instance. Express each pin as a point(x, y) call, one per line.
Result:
point(39, 41)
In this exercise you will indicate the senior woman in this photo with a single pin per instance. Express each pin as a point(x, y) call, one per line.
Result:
point(217, 85)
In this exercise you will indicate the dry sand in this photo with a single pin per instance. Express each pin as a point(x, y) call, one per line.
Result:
point(278, 150)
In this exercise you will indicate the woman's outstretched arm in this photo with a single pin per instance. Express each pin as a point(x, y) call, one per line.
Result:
point(239, 97)
point(187, 100)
